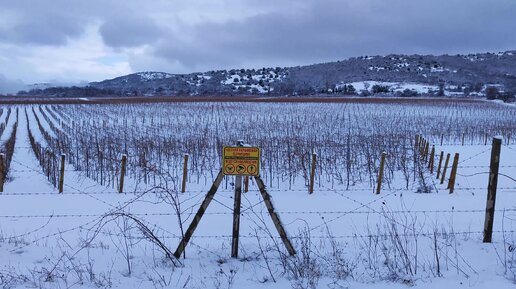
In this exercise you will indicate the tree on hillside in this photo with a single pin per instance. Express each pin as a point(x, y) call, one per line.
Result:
point(440, 92)
point(477, 87)
point(509, 96)
point(408, 93)
point(351, 89)
point(492, 92)
point(379, 89)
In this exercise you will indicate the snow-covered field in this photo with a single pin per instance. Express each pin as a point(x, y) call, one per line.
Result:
point(414, 233)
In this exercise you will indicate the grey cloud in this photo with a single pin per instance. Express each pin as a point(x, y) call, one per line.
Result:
point(37, 22)
point(277, 32)
point(331, 30)
point(54, 22)
point(129, 31)
point(46, 30)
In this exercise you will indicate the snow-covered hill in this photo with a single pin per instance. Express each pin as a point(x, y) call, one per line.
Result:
point(404, 75)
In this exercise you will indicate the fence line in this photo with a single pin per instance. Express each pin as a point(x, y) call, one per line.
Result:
point(38, 171)
point(180, 155)
point(474, 156)
point(354, 236)
point(115, 209)
point(468, 167)
point(279, 212)
point(110, 178)
point(151, 191)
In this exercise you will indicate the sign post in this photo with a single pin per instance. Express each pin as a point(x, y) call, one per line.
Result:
point(241, 162)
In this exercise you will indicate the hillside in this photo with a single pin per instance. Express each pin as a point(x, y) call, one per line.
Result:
point(400, 74)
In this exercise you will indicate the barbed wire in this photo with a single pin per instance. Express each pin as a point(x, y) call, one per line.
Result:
point(478, 167)
point(321, 145)
point(358, 235)
point(243, 212)
point(81, 192)
point(352, 236)
point(472, 175)
point(485, 188)
point(342, 213)
point(114, 209)
point(474, 156)
point(222, 191)
point(128, 169)
point(67, 185)
point(385, 214)
point(68, 170)
point(362, 205)
point(510, 148)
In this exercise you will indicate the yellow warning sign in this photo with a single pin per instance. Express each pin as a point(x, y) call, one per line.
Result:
point(243, 161)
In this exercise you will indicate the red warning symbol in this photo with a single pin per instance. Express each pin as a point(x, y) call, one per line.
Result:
point(229, 169)
point(240, 169)
point(251, 169)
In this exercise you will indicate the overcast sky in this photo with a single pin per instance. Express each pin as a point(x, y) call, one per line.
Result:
point(70, 41)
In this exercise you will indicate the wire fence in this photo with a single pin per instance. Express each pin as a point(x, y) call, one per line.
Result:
point(65, 193)
point(353, 236)
point(50, 216)
point(118, 171)
point(248, 211)
point(335, 215)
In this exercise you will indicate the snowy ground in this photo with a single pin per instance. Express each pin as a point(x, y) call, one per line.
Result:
point(344, 238)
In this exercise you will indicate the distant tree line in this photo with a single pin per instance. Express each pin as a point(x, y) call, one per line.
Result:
point(281, 87)
point(74, 91)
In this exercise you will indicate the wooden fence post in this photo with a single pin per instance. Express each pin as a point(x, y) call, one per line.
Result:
point(236, 216)
point(491, 189)
point(2, 172)
point(185, 173)
point(442, 137)
point(445, 167)
point(463, 138)
point(122, 173)
point(427, 148)
point(197, 218)
point(274, 216)
point(380, 173)
point(431, 161)
point(423, 149)
point(312, 174)
point(453, 174)
point(440, 164)
point(485, 139)
point(416, 141)
point(236, 211)
point(61, 176)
